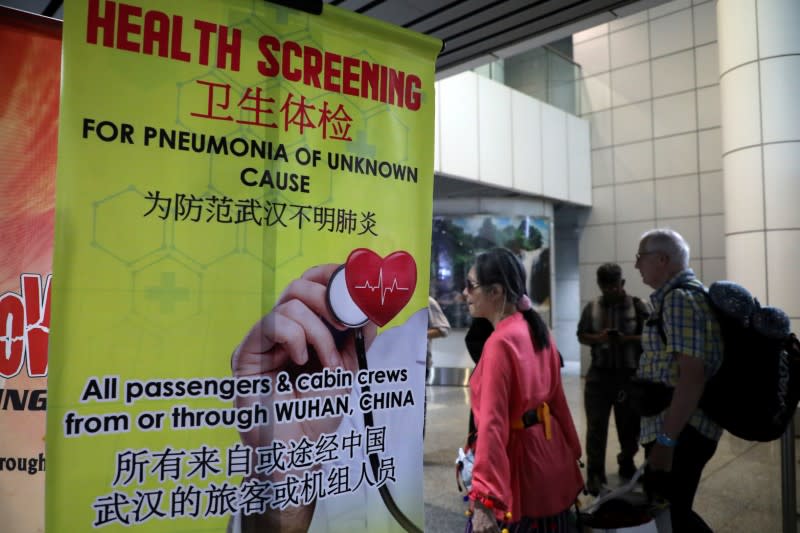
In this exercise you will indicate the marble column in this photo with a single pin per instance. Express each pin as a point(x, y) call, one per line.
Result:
point(759, 60)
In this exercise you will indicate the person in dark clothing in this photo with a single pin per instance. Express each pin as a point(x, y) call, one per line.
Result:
point(612, 326)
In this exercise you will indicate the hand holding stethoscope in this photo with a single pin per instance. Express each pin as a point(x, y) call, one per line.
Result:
point(299, 335)
point(309, 329)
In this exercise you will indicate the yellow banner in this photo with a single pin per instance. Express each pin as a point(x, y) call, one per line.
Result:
point(243, 217)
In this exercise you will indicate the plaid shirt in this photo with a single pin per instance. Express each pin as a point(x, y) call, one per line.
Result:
point(627, 316)
point(691, 330)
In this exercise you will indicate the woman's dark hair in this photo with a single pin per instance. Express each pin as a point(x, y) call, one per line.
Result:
point(501, 266)
point(477, 334)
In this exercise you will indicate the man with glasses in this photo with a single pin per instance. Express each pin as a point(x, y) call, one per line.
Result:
point(681, 352)
point(612, 326)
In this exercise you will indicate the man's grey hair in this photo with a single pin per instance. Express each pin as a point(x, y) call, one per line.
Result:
point(669, 242)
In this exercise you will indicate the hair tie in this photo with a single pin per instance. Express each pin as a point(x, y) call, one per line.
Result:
point(524, 303)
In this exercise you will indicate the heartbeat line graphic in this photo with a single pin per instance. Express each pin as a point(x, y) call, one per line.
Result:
point(380, 286)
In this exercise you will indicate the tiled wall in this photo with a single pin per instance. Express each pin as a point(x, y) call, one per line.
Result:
point(651, 95)
point(490, 133)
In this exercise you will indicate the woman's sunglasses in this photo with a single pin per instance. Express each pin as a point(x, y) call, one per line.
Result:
point(471, 285)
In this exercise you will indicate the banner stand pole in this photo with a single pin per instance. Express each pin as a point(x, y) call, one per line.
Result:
point(313, 7)
point(788, 480)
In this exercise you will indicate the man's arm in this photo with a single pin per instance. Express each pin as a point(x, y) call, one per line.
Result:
point(688, 390)
point(438, 325)
point(592, 338)
point(586, 335)
point(436, 333)
point(687, 343)
point(685, 398)
point(631, 338)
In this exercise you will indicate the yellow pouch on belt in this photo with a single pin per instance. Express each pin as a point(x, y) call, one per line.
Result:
point(542, 417)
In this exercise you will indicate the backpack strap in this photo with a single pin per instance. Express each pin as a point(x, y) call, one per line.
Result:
point(658, 321)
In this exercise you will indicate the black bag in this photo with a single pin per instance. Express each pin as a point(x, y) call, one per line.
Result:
point(647, 398)
point(755, 392)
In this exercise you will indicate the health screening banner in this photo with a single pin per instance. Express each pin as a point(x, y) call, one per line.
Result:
point(243, 210)
point(28, 133)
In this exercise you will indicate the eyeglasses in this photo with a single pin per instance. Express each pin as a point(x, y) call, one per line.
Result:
point(470, 285)
point(642, 254)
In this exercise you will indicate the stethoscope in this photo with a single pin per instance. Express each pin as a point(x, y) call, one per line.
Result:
point(347, 312)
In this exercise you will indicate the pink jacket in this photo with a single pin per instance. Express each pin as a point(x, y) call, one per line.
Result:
point(520, 469)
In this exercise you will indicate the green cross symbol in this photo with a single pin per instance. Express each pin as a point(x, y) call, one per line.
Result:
point(167, 294)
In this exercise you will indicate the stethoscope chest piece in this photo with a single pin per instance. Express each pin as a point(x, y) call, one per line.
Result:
point(341, 304)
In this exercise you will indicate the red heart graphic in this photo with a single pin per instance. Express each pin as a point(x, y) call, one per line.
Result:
point(381, 288)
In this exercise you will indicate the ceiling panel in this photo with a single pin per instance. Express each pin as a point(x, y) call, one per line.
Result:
point(477, 31)
point(490, 38)
point(400, 13)
point(473, 14)
point(473, 31)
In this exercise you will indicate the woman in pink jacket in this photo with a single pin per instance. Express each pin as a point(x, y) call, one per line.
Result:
point(526, 474)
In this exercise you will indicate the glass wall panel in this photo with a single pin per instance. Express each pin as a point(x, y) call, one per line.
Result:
point(543, 73)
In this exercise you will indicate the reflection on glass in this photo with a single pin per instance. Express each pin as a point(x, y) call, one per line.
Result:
point(543, 73)
point(456, 242)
